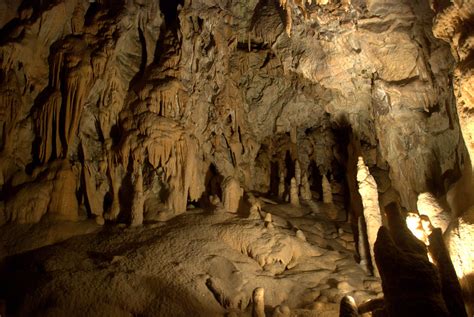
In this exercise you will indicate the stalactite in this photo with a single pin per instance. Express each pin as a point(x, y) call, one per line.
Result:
point(168, 99)
point(48, 125)
point(164, 143)
point(370, 201)
point(59, 116)
point(77, 20)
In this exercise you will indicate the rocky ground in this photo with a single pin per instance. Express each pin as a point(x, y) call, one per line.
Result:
point(201, 263)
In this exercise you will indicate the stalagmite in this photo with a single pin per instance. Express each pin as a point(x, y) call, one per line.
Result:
point(363, 252)
point(255, 207)
point(461, 249)
point(281, 185)
point(348, 307)
point(300, 235)
point(231, 194)
point(268, 221)
point(63, 204)
point(428, 205)
point(137, 202)
point(370, 201)
point(294, 199)
point(298, 173)
point(94, 192)
point(258, 308)
point(327, 190)
point(282, 311)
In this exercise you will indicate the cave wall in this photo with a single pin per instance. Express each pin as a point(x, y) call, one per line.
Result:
point(131, 102)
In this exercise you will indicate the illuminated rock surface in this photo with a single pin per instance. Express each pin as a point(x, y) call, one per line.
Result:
point(143, 128)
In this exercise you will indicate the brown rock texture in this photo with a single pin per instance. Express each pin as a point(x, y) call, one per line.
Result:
point(132, 112)
point(239, 86)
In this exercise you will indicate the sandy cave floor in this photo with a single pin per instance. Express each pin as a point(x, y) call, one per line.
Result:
point(197, 264)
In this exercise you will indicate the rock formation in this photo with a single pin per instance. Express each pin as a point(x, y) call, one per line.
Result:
point(131, 113)
point(231, 194)
point(327, 190)
point(429, 206)
point(370, 201)
point(348, 307)
point(258, 309)
point(403, 258)
point(294, 193)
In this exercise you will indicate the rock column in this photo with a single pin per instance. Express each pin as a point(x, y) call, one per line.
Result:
point(370, 202)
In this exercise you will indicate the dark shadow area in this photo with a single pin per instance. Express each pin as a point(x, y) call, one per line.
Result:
point(274, 178)
point(315, 179)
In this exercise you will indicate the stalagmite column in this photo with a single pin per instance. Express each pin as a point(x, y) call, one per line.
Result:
point(327, 190)
point(281, 185)
point(231, 194)
point(138, 200)
point(297, 173)
point(294, 199)
point(370, 201)
point(258, 309)
point(305, 188)
point(363, 252)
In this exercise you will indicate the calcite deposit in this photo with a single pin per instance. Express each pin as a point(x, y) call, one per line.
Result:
point(212, 157)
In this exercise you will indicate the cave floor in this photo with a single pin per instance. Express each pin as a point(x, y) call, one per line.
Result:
point(200, 263)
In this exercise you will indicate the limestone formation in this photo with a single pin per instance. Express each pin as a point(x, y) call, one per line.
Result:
point(258, 307)
point(294, 197)
point(300, 235)
point(129, 112)
point(298, 174)
point(348, 307)
point(413, 221)
point(137, 203)
point(282, 311)
point(461, 249)
point(370, 201)
point(231, 194)
point(255, 207)
point(428, 205)
point(364, 252)
point(327, 190)
point(281, 185)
